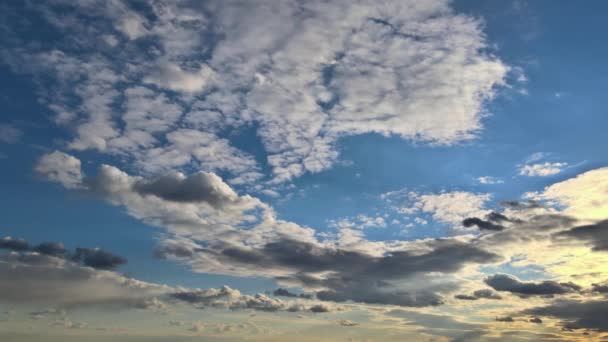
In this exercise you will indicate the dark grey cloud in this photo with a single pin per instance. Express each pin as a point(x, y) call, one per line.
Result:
point(595, 234)
point(505, 319)
point(51, 248)
point(14, 244)
point(479, 294)
point(600, 288)
point(97, 258)
point(576, 314)
point(518, 205)
point(536, 320)
point(197, 187)
point(497, 217)
point(481, 224)
point(356, 276)
point(507, 283)
point(91, 257)
point(281, 292)
point(174, 250)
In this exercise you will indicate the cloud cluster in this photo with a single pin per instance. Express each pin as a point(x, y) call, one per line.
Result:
point(215, 230)
point(303, 75)
point(91, 257)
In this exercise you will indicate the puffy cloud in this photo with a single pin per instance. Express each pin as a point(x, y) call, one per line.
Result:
point(97, 258)
point(229, 298)
point(173, 77)
point(584, 196)
point(91, 257)
point(356, 276)
point(447, 207)
point(421, 72)
point(238, 235)
point(198, 187)
point(14, 244)
point(61, 168)
point(542, 169)
point(507, 283)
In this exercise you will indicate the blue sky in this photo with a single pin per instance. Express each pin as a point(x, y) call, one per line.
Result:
point(369, 128)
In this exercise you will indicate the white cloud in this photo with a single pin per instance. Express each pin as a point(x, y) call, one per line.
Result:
point(61, 168)
point(541, 169)
point(447, 207)
point(489, 180)
point(173, 77)
point(584, 196)
point(412, 69)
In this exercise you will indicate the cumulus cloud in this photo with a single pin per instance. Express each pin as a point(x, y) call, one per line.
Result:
point(229, 298)
point(507, 283)
point(61, 168)
point(584, 196)
point(447, 207)
point(173, 77)
point(421, 72)
point(239, 235)
point(541, 169)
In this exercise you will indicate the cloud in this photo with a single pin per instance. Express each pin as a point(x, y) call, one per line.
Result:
point(447, 207)
point(31, 278)
point(198, 187)
point(507, 283)
point(481, 224)
point(479, 294)
point(61, 168)
point(173, 77)
point(229, 298)
point(584, 196)
point(97, 258)
point(505, 319)
point(10, 134)
point(421, 72)
point(91, 257)
point(576, 314)
point(14, 244)
point(542, 169)
point(238, 235)
point(281, 292)
point(51, 248)
point(356, 276)
point(596, 234)
point(489, 180)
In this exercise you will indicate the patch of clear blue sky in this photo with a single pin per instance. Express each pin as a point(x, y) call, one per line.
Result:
point(560, 46)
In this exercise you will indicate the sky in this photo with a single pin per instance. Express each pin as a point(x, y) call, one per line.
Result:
point(303, 170)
